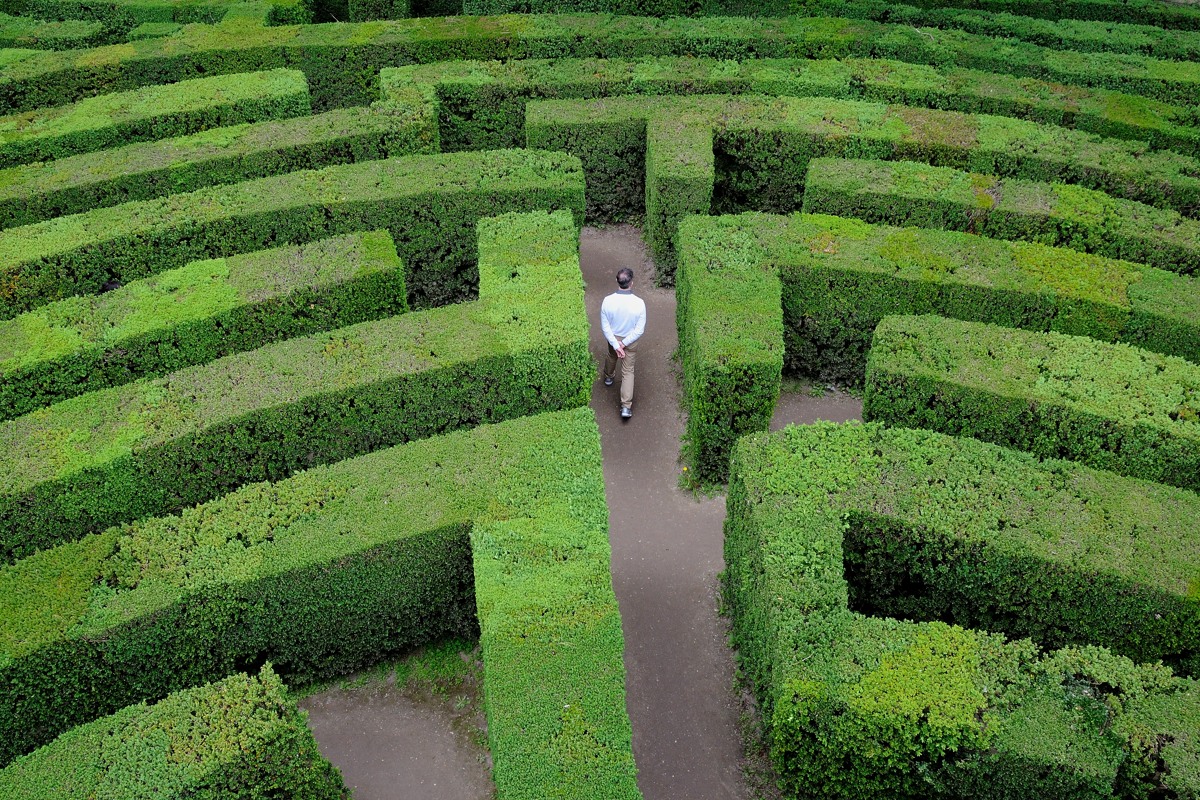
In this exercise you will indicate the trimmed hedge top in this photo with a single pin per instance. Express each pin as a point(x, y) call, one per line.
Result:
point(122, 15)
point(41, 34)
point(156, 112)
point(242, 736)
point(1140, 11)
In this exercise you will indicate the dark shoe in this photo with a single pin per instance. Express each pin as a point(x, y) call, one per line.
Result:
point(626, 413)
point(608, 381)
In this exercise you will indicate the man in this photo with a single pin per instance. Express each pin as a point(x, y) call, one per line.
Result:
point(623, 320)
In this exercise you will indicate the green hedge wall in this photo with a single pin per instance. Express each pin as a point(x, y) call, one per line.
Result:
point(750, 151)
point(342, 61)
point(36, 192)
point(122, 15)
point(429, 203)
point(195, 314)
point(836, 278)
point(240, 737)
point(640, 8)
point(39, 34)
point(162, 444)
point(1145, 12)
point(1111, 406)
point(481, 104)
point(1052, 214)
point(152, 113)
point(857, 706)
point(337, 566)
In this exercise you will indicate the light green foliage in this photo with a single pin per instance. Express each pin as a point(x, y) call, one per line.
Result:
point(1148, 12)
point(155, 112)
point(195, 314)
point(42, 35)
point(1112, 406)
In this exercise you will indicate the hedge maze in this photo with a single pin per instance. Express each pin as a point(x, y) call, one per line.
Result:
point(294, 365)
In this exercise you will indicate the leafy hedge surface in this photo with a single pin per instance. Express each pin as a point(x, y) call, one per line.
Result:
point(836, 278)
point(859, 707)
point(35, 192)
point(161, 444)
point(429, 203)
point(756, 149)
point(40, 34)
point(337, 566)
point(342, 61)
point(481, 104)
point(152, 113)
point(1053, 214)
point(122, 15)
point(1147, 12)
point(195, 314)
point(1111, 406)
point(240, 737)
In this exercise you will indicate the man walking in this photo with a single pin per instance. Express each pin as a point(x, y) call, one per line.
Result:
point(623, 320)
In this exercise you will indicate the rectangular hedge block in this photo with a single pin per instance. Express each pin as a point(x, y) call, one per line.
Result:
point(1055, 214)
point(760, 148)
point(338, 566)
point(1110, 406)
point(240, 737)
point(162, 444)
point(40, 34)
point(825, 518)
point(835, 278)
point(429, 203)
point(156, 112)
point(195, 314)
point(35, 192)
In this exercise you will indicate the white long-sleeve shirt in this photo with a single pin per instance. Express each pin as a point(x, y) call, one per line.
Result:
point(623, 314)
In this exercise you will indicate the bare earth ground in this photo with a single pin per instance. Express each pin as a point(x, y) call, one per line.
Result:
point(683, 703)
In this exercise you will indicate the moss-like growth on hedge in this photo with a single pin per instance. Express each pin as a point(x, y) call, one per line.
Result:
point(35, 192)
point(156, 112)
point(240, 737)
point(836, 278)
point(899, 193)
point(857, 706)
point(429, 203)
point(1111, 406)
point(162, 444)
point(195, 314)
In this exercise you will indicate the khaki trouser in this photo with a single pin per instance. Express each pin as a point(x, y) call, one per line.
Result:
point(610, 367)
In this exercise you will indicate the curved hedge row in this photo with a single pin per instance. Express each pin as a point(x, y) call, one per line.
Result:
point(1148, 12)
point(36, 192)
point(195, 314)
point(757, 292)
point(1110, 406)
point(898, 193)
point(856, 706)
point(240, 737)
point(162, 444)
point(156, 112)
point(429, 203)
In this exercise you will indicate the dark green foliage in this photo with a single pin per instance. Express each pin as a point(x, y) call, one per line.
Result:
point(899, 193)
point(1148, 12)
point(762, 146)
point(858, 707)
point(35, 192)
point(640, 8)
point(836, 278)
point(343, 61)
point(241, 737)
point(429, 203)
point(39, 34)
point(153, 113)
point(195, 314)
point(122, 15)
point(1111, 406)
point(363, 10)
point(158, 445)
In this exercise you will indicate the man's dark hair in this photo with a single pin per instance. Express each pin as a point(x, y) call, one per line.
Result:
point(624, 277)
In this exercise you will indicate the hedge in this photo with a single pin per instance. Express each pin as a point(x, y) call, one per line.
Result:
point(240, 737)
point(860, 706)
point(195, 314)
point(152, 113)
point(734, 153)
point(1143, 12)
point(429, 203)
point(481, 104)
point(342, 61)
point(759, 293)
point(161, 444)
point(1053, 214)
point(640, 8)
point(119, 16)
point(39, 34)
point(35, 192)
point(340, 565)
point(1110, 406)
